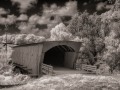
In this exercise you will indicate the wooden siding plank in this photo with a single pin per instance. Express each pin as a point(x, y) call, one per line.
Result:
point(23, 54)
point(16, 56)
point(39, 57)
point(28, 57)
point(23, 58)
point(29, 51)
point(20, 55)
point(33, 58)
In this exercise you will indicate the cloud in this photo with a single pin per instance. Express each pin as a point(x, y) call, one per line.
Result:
point(22, 17)
point(109, 7)
point(100, 6)
point(25, 27)
point(28, 28)
point(51, 16)
point(85, 3)
point(11, 19)
point(69, 9)
point(34, 19)
point(30, 25)
point(55, 12)
point(2, 20)
point(3, 11)
point(24, 5)
point(103, 6)
point(44, 20)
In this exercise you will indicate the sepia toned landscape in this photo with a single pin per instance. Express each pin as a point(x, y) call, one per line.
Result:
point(60, 45)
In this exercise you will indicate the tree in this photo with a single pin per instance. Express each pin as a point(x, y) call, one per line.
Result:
point(72, 27)
point(88, 27)
point(111, 20)
point(60, 33)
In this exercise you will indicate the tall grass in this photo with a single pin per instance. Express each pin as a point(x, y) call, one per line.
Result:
point(5, 57)
point(7, 76)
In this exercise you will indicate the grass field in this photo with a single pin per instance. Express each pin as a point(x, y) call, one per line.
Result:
point(7, 76)
point(71, 82)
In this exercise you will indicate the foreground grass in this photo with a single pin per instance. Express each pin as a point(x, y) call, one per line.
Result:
point(71, 82)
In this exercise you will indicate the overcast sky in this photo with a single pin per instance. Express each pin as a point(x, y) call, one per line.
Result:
point(37, 12)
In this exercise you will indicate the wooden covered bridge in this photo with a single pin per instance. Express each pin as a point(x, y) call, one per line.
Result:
point(54, 53)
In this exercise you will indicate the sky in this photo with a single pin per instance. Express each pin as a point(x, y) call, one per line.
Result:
point(36, 6)
point(39, 16)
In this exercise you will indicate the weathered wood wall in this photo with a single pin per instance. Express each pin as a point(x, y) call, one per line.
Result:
point(28, 57)
point(70, 59)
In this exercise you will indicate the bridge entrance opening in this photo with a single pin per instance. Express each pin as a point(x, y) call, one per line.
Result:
point(60, 56)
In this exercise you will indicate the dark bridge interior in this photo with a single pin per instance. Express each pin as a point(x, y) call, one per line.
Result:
point(56, 55)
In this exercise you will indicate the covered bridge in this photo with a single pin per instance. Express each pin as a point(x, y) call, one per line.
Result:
point(54, 53)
